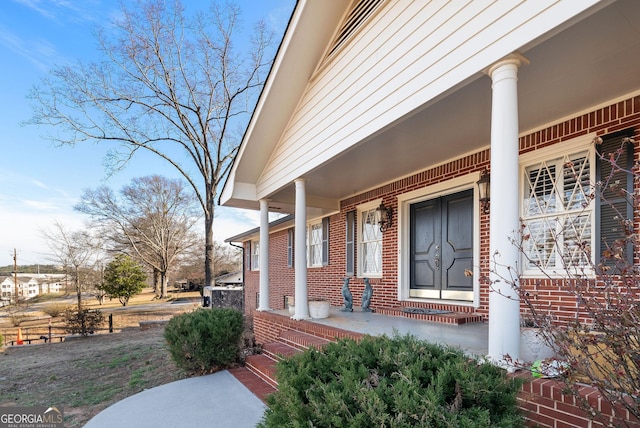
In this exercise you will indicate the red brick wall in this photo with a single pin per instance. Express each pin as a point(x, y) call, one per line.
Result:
point(327, 281)
point(545, 404)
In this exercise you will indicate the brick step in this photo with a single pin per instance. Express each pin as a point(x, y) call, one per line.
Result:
point(264, 367)
point(302, 341)
point(253, 382)
point(279, 351)
point(455, 318)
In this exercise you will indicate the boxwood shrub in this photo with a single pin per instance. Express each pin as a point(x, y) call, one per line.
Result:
point(205, 340)
point(391, 382)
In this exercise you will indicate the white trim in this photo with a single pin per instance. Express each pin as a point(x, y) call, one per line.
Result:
point(405, 201)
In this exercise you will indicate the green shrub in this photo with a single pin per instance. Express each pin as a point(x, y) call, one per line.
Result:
point(206, 340)
point(1, 340)
point(83, 321)
point(391, 382)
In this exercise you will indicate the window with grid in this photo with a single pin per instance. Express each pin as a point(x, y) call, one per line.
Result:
point(370, 244)
point(255, 255)
point(314, 244)
point(558, 213)
point(318, 243)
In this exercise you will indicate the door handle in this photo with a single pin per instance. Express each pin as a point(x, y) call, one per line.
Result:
point(437, 262)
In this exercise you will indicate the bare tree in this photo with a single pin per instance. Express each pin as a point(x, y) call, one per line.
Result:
point(74, 250)
point(152, 220)
point(171, 84)
point(227, 259)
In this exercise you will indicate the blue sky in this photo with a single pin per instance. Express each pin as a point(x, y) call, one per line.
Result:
point(40, 183)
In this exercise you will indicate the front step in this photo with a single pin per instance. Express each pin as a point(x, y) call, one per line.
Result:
point(447, 317)
point(302, 341)
point(279, 351)
point(289, 343)
point(264, 367)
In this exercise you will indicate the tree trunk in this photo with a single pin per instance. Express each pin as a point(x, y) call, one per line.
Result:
point(78, 292)
point(156, 280)
point(163, 285)
point(209, 260)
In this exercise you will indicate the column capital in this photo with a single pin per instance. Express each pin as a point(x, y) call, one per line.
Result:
point(513, 58)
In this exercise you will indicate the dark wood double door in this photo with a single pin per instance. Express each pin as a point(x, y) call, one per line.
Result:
point(442, 247)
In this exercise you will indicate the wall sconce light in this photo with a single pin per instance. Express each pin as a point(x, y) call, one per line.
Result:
point(385, 217)
point(484, 189)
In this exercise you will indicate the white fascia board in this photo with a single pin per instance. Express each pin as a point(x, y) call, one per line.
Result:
point(237, 191)
point(293, 66)
point(247, 139)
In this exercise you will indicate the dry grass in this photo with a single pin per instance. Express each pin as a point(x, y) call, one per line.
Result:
point(86, 375)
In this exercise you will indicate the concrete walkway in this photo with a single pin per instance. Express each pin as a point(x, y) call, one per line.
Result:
point(221, 400)
point(218, 400)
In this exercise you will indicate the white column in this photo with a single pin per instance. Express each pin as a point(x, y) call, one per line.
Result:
point(504, 303)
point(300, 249)
point(263, 304)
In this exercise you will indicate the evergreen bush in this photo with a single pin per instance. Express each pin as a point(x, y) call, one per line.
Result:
point(205, 340)
point(391, 382)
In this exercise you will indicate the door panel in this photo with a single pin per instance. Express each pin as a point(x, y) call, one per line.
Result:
point(425, 221)
point(442, 247)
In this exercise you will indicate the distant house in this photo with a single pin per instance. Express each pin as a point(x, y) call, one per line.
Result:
point(7, 287)
point(27, 287)
point(31, 285)
point(230, 279)
point(377, 123)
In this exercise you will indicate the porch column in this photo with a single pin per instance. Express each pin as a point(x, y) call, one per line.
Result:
point(263, 305)
point(504, 303)
point(300, 251)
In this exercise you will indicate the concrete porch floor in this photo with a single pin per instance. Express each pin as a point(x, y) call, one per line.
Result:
point(472, 338)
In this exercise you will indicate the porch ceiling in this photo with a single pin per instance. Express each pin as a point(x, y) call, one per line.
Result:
point(589, 63)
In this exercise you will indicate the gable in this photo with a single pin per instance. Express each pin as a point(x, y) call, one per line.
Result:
point(407, 84)
point(404, 58)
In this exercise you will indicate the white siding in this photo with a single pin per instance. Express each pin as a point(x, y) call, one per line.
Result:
point(409, 54)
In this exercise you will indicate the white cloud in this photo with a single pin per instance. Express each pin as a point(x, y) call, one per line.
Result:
point(41, 205)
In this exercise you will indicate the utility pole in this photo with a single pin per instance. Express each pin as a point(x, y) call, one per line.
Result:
point(15, 273)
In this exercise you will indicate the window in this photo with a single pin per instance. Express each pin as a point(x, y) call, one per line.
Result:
point(255, 255)
point(568, 220)
point(318, 243)
point(557, 211)
point(314, 244)
point(290, 244)
point(370, 242)
point(350, 243)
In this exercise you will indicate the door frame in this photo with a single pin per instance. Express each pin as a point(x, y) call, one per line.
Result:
point(405, 201)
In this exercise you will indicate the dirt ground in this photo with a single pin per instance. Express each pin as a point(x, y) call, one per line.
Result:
point(84, 375)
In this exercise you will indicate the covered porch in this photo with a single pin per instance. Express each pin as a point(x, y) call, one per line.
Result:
point(471, 337)
point(543, 401)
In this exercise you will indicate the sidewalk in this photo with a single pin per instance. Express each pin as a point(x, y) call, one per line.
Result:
point(218, 400)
